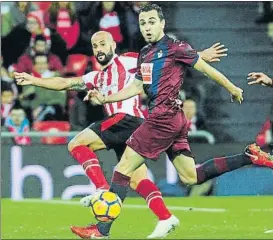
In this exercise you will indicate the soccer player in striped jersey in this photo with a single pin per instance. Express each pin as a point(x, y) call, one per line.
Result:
point(160, 73)
point(124, 117)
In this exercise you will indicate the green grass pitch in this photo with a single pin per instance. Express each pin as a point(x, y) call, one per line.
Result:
point(209, 218)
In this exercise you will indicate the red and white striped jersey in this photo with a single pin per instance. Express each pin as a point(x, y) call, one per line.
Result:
point(118, 75)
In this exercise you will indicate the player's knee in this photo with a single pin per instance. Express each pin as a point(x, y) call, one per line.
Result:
point(189, 178)
point(72, 144)
point(190, 181)
point(133, 184)
point(136, 178)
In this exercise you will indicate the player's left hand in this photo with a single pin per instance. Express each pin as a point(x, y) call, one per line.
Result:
point(95, 96)
point(237, 95)
point(214, 53)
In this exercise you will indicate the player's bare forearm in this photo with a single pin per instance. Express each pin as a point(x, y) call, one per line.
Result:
point(214, 74)
point(54, 83)
point(134, 89)
point(59, 84)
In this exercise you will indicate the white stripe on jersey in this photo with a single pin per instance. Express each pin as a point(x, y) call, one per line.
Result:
point(110, 80)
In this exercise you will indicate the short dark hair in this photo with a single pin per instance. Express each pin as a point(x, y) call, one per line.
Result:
point(149, 7)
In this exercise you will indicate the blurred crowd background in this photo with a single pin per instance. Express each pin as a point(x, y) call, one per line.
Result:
point(49, 39)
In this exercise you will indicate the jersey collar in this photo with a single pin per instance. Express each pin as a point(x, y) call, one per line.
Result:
point(162, 40)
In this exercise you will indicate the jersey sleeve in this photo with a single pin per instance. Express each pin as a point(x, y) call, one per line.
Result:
point(138, 75)
point(184, 53)
point(90, 79)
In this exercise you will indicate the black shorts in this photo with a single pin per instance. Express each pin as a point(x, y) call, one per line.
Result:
point(115, 130)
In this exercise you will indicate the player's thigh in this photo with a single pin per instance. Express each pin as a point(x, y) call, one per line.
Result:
point(138, 175)
point(129, 162)
point(87, 137)
point(185, 166)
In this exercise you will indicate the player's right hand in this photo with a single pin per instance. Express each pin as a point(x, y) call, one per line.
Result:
point(23, 78)
point(237, 95)
point(95, 96)
point(259, 78)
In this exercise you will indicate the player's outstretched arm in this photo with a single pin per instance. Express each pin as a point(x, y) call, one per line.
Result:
point(135, 88)
point(54, 83)
point(213, 53)
point(259, 78)
point(214, 74)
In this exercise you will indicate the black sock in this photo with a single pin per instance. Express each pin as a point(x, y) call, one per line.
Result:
point(120, 184)
point(217, 166)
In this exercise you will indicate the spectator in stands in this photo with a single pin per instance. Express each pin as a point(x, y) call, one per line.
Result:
point(135, 39)
point(45, 104)
point(267, 16)
point(84, 11)
point(62, 18)
point(18, 123)
point(41, 66)
point(23, 37)
point(110, 17)
point(7, 101)
point(195, 121)
point(14, 14)
point(20, 10)
point(25, 62)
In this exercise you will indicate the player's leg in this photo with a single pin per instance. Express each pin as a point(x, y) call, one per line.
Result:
point(146, 188)
point(129, 162)
point(82, 147)
point(217, 166)
point(185, 166)
point(189, 174)
point(150, 192)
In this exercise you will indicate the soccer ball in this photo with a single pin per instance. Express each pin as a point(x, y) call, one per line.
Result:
point(106, 206)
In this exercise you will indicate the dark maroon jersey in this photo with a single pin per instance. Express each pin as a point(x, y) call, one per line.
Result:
point(161, 67)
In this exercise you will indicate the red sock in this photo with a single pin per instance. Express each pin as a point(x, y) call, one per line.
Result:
point(90, 163)
point(149, 191)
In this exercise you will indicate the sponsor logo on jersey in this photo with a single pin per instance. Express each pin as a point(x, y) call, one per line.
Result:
point(147, 72)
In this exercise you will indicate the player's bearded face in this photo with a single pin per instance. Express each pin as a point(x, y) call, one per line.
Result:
point(104, 58)
point(151, 27)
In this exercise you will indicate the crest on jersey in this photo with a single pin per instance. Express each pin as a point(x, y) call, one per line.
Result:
point(147, 72)
point(160, 53)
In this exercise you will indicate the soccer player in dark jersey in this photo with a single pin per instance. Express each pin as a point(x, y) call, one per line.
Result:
point(161, 70)
point(260, 78)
